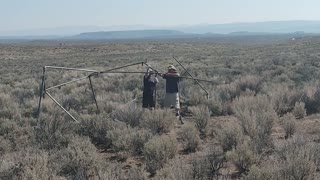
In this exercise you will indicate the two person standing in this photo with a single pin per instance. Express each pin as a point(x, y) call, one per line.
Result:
point(171, 99)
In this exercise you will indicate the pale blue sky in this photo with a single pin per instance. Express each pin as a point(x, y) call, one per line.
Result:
point(28, 14)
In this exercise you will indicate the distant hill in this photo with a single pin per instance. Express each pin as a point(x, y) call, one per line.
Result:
point(193, 31)
point(134, 34)
point(261, 27)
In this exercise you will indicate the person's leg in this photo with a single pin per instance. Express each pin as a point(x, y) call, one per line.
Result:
point(166, 102)
point(152, 102)
point(144, 100)
point(177, 103)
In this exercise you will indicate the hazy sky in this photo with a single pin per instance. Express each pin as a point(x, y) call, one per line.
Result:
point(28, 14)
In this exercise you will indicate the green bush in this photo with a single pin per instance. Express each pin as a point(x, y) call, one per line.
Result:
point(157, 151)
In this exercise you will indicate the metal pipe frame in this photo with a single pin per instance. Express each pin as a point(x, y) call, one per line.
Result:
point(54, 100)
point(192, 77)
point(43, 89)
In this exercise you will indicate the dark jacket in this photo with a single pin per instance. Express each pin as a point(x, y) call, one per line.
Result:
point(172, 80)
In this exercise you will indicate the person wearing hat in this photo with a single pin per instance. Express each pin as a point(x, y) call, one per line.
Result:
point(171, 98)
point(149, 90)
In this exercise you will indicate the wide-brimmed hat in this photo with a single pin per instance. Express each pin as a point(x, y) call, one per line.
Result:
point(171, 67)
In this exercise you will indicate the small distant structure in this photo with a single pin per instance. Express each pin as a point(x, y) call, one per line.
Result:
point(293, 39)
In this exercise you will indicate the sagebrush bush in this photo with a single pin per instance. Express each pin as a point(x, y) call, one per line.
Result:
point(53, 131)
point(299, 110)
point(190, 137)
point(79, 160)
point(26, 164)
point(128, 139)
point(289, 125)
point(267, 172)
point(253, 83)
point(229, 135)
point(130, 114)
point(201, 116)
point(242, 157)
point(97, 127)
point(157, 151)
point(158, 121)
point(256, 117)
point(298, 158)
point(284, 98)
point(175, 169)
point(8, 108)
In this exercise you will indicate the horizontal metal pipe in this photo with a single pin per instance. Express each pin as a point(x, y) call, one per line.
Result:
point(122, 67)
point(54, 100)
point(196, 79)
point(72, 69)
point(63, 84)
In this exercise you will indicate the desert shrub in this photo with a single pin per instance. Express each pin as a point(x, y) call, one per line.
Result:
point(207, 166)
point(22, 94)
point(8, 108)
point(5, 146)
point(190, 138)
point(79, 160)
point(97, 127)
point(129, 114)
point(53, 131)
point(299, 158)
point(175, 169)
point(158, 121)
point(139, 139)
point(157, 151)
point(215, 105)
point(267, 172)
point(229, 135)
point(27, 164)
point(284, 98)
point(201, 116)
point(312, 102)
point(256, 117)
point(242, 157)
point(215, 159)
point(299, 111)
point(289, 125)
point(228, 92)
point(198, 167)
point(128, 139)
point(253, 83)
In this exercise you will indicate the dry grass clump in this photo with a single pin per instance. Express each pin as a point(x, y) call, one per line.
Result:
point(157, 151)
point(190, 137)
point(158, 121)
point(201, 116)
